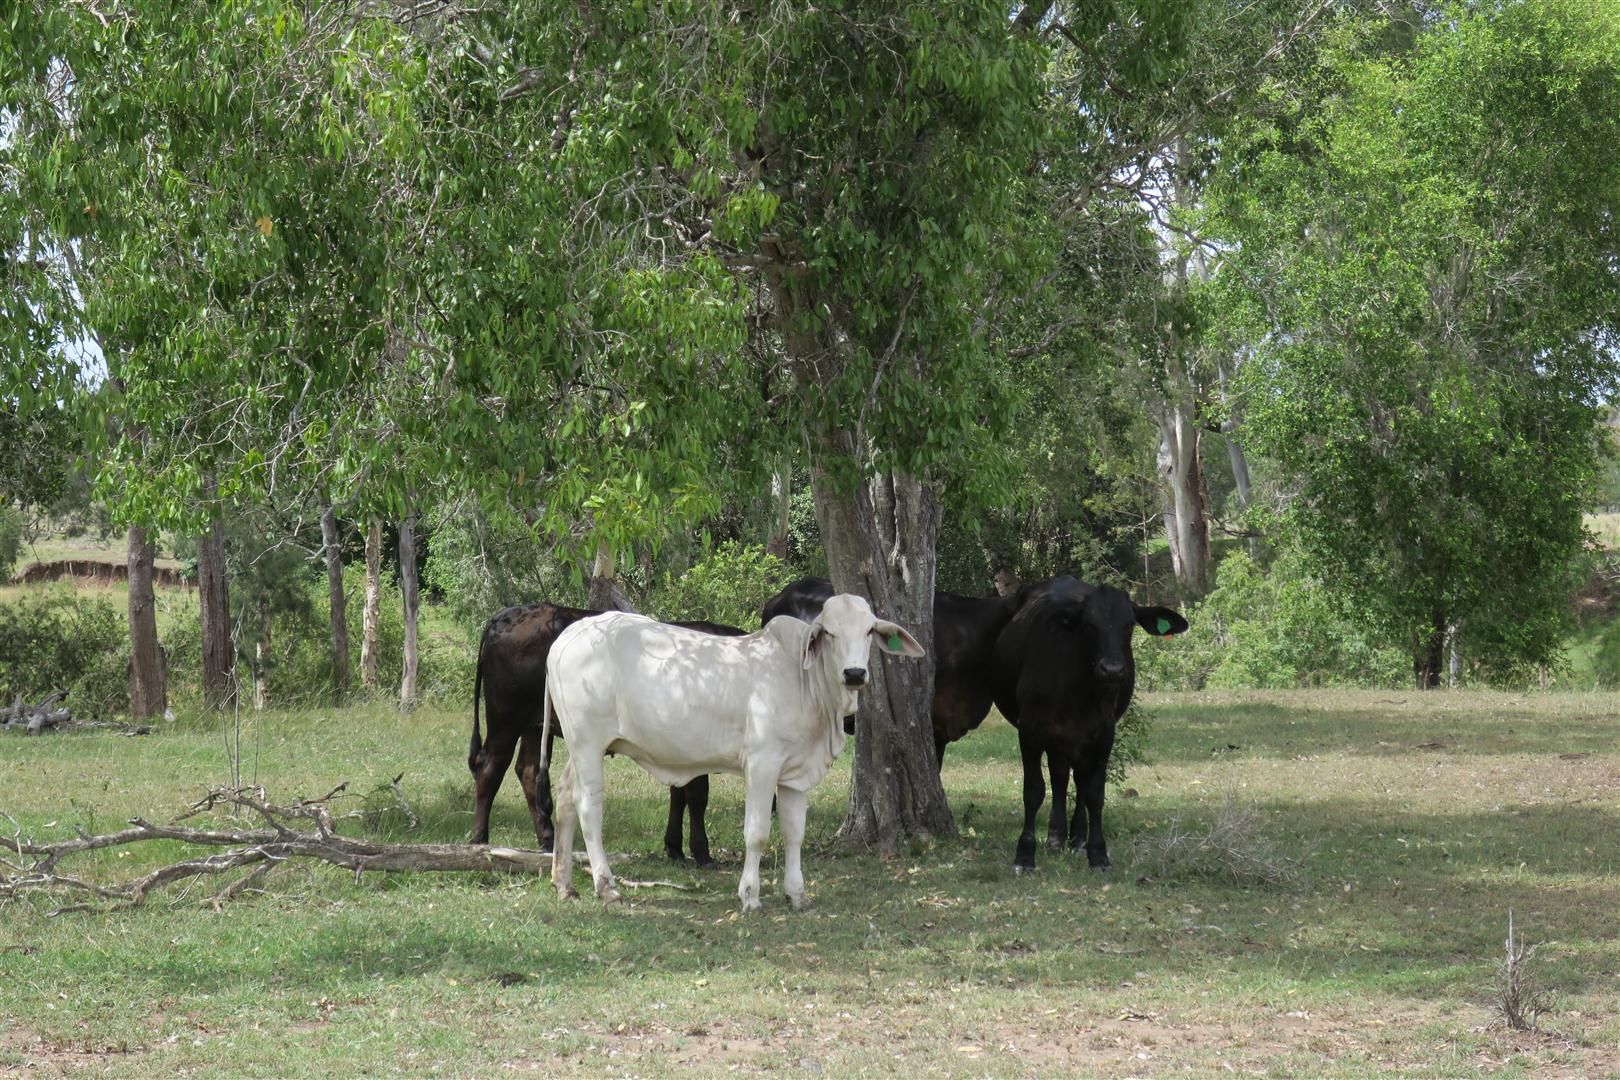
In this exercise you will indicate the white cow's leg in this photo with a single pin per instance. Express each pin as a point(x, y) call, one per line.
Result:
point(790, 810)
point(761, 783)
point(562, 841)
point(590, 789)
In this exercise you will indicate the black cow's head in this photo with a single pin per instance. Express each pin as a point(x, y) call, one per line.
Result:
point(1103, 618)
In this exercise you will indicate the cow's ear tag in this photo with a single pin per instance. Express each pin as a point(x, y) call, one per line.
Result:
point(894, 642)
point(1164, 625)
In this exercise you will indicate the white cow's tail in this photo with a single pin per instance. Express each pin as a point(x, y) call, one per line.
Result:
point(545, 731)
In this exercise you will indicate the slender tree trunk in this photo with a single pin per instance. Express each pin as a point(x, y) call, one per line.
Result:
point(330, 541)
point(261, 659)
point(372, 613)
point(1187, 513)
point(880, 542)
point(1186, 517)
point(148, 691)
point(408, 589)
point(781, 506)
point(603, 592)
point(213, 593)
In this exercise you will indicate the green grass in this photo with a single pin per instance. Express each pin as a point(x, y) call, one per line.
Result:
point(1417, 820)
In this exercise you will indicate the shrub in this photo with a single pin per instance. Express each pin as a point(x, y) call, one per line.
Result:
point(11, 532)
point(59, 640)
point(730, 585)
point(1270, 629)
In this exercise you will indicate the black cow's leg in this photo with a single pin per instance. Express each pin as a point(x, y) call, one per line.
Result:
point(697, 804)
point(672, 829)
point(1034, 795)
point(489, 769)
point(1089, 783)
point(534, 774)
point(939, 754)
point(1057, 826)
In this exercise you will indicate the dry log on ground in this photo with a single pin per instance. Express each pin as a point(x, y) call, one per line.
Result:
point(258, 848)
point(39, 718)
point(32, 719)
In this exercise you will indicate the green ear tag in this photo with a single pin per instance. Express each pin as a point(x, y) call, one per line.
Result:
point(1164, 625)
point(894, 642)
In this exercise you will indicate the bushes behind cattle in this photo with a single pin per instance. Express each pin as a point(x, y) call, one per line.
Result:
point(1269, 628)
point(729, 585)
point(60, 640)
point(298, 661)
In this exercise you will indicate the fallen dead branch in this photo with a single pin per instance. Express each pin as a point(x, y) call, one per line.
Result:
point(39, 718)
point(257, 850)
point(33, 719)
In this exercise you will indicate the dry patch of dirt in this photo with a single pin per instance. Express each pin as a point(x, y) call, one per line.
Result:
point(919, 1041)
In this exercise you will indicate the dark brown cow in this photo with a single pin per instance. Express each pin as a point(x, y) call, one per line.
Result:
point(511, 683)
point(1064, 675)
point(965, 632)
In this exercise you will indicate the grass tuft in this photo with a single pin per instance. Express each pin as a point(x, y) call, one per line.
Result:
point(1520, 999)
point(1232, 845)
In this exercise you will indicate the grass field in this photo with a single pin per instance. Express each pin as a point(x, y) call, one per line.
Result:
point(1415, 821)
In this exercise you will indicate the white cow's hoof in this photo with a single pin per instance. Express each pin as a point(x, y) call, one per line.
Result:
point(568, 892)
point(751, 906)
point(799, 903)
point(612, 897)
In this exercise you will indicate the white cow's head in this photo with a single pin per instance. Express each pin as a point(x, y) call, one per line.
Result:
point(841, 640)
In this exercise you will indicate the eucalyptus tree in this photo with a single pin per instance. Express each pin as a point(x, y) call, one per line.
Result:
point(1424, 266)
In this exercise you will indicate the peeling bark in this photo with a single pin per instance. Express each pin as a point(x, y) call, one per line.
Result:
point(148, 691)
point(218, 656)
point(411, 599)
point(331, 546)
point(372, 613)
point(880, 541)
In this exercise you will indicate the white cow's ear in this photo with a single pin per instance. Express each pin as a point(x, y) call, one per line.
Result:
point(812, 644)
point(893, 638)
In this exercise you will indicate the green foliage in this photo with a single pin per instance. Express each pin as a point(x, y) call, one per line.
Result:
point(1423, 279)
point(1131, 738)
point(728, 586)
point(1270, 628)
point(480, 564)
point(59, 640)
point(11, 533)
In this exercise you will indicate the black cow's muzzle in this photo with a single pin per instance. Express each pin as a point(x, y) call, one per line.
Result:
point(1111, 671)
point(854, 676)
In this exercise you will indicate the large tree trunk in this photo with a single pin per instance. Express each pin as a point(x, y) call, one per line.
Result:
point(372, 613)
point(148, 691)
point(408, 590)
point(880, 542)
point(218, 656)
point(603, 592)
point(330, 541)
point(1186, 516)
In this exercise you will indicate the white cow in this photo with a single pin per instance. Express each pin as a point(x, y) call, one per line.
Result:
point(683, 703)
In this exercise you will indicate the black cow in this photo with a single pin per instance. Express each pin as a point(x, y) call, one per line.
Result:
point(1064, 675)
point(511, 682)
point(965, 632)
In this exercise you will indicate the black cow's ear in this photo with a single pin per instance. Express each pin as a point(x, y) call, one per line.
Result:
point(1161, 621)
